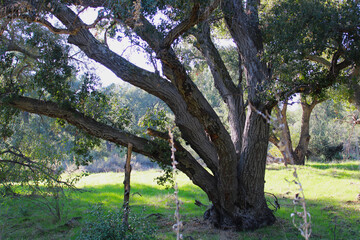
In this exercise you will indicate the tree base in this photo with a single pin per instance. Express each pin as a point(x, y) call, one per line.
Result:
point(244, 221)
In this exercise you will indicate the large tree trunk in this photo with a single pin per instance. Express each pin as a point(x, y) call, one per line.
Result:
point(250, 210)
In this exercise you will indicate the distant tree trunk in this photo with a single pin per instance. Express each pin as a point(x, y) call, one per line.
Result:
point(284, 144)
point(127, 186)
point(303, 145)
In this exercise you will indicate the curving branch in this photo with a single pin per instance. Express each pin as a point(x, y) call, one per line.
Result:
point(187, 163)
point(215, 140)
point(11, 46)
point(222, 79)
point(230, 93)
point(191, 128)
point(274, 140)
point(320, 60)
point(200, 126)
point(47, 24)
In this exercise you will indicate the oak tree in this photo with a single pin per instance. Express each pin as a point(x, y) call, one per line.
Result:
point(234, 153)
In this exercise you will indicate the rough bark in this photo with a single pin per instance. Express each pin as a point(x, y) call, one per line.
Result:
point(187, 163)
point(237, 159)
point(252, 209)
point(231, 94)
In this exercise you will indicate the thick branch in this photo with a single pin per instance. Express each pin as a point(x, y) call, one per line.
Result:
point(230, 93)
point(320, 60)
point(48, 25)
point(187, 163)
point(176, 72)
point(245, 31)
point(190, 127)
point(196, 104)
point(194, 116)
point(11, 46)
point(223, 81)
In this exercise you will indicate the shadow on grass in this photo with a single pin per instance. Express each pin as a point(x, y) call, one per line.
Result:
point(145, 198)
point(352, 166)
point(348, 170)
point(329, 220)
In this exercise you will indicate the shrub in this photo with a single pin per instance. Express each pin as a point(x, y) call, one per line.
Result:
point(108, 225)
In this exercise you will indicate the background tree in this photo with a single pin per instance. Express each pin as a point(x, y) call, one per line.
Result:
point(235, 156)
point(281, 136)
point(306, 40)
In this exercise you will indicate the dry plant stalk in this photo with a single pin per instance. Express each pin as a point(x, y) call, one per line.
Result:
point(304, 225)
point(178, 223)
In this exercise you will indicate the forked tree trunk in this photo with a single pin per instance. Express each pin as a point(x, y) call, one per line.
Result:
point(284, 144)
point(250, 210)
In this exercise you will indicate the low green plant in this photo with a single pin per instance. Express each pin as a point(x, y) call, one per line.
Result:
point(105, 225)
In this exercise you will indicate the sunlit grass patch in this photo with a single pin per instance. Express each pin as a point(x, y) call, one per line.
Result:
point(330, 191)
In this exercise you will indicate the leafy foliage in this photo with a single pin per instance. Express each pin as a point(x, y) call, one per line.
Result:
point(34, 161)
point(297, 32)
point(331, 128)
point(108, 225)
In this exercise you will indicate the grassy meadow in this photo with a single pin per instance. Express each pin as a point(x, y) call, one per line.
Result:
point(330, 191)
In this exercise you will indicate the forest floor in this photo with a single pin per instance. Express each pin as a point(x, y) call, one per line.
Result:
point(330, 190)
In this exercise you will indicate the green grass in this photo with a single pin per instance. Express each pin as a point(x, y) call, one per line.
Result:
point(330, 191)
